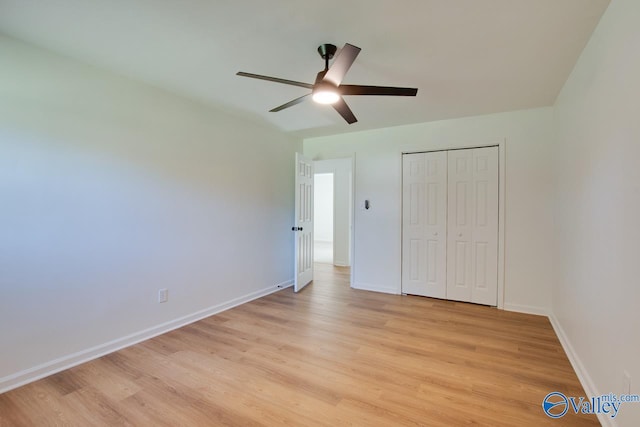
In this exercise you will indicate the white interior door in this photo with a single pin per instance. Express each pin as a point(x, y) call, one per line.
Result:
point(304, 222)
point(460, 183)
point(472, 236)
point(484, 240)
point(424, 222)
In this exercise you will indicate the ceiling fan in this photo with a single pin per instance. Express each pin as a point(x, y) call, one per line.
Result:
point(328, 89)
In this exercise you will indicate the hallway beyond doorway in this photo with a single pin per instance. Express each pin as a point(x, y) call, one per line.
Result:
point(322, 252)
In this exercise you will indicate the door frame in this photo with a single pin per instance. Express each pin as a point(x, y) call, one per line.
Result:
point(462, 145)
point(352, 205)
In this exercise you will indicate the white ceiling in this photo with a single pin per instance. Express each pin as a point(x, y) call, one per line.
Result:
point(467, 57)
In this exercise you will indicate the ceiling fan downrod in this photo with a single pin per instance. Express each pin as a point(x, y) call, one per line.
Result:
point(326, 52)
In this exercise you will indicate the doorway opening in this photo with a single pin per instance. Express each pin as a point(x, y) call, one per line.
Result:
point(323, 218)
point(333, 213)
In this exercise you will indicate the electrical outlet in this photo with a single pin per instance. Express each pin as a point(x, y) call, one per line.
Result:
point(163, 295)
point(626, 382)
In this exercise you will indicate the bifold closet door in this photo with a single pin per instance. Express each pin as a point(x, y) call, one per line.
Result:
point(424, 224)
point(472, 223)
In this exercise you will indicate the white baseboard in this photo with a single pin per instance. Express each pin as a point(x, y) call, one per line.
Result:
point(527, 309)
point(583, 376)
point(48, 368)
point(374, 288)
point(283, 285)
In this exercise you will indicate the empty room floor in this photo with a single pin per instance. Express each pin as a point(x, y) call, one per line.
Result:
point(328, 356)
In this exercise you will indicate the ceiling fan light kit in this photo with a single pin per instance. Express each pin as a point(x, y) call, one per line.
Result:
point(328, 89)
point(325, 96)
point(324, 92)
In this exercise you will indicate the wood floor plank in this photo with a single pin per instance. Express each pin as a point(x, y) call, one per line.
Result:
point(327, 356)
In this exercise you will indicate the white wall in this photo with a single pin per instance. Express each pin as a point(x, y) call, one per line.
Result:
point(597, 124)
point(110, 190)
point(529, 188)
point(323, 207)
point(342, 206)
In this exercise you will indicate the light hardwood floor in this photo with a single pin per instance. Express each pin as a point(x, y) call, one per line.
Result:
point(329, 356)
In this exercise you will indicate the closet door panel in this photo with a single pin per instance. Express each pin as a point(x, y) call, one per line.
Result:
point(414, 272)
point(459, 224)
point(485, 226)
point(424, 224)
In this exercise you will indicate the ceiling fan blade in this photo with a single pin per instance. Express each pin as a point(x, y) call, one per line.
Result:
point(289, 104)
point(377, 90)
point(344, 110)
point(341, 64)
point(275, 79)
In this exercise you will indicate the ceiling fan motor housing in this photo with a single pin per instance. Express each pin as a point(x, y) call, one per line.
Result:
point(327, 51)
